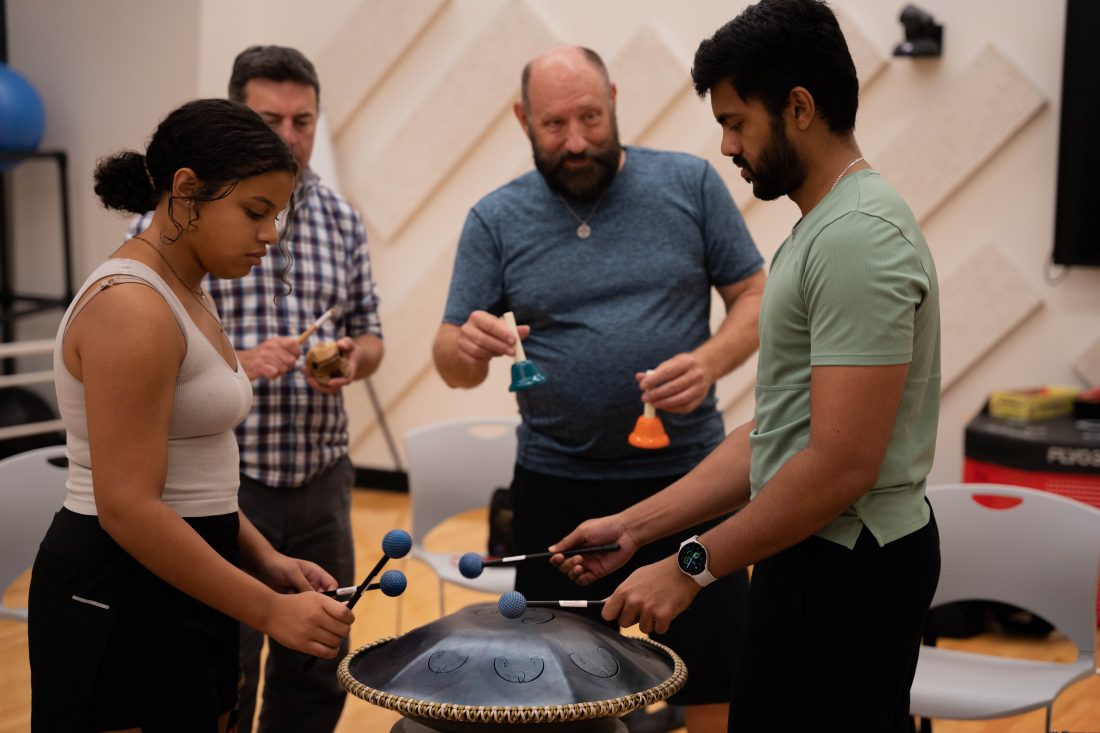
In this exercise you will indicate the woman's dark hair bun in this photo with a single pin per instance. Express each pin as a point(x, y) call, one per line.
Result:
point(122, 182)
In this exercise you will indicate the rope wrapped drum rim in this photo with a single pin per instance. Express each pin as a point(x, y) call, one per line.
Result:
point(514, 715)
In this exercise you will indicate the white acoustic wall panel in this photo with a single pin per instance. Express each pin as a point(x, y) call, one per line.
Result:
point(410, 330)
point(868, 61)
point(980, 304)
point(649, 76)
point(1087, 366)
point(984, 106)
point(362, 52)
point(437, 134)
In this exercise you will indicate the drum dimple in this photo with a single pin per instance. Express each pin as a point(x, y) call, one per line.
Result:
point(442, 661)
point(516, 672)
point(598, 663)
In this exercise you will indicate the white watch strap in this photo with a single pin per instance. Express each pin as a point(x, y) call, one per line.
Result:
point(704, 578)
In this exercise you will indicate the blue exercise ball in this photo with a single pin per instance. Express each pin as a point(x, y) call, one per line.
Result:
point(22, 116)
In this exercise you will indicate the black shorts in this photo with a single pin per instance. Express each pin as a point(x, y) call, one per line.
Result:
point(707, 636)
point(113, 646)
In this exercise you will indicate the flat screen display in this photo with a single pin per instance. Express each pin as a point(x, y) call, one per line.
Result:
point(1077, 211)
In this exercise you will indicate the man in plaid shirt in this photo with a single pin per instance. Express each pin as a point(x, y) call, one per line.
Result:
point(296, 477)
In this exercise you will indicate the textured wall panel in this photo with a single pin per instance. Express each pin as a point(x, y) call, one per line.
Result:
point(978, 112)
point(361, 54)
point(1087, 366)
point(649, 76)
point(980, 303)
point(438, 133)
point(410, 329)
point(869, 64)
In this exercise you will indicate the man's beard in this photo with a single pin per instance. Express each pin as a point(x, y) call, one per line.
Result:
point(584, 184)
point(779, 170)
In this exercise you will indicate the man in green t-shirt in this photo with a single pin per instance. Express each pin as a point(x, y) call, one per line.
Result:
point(830, 475)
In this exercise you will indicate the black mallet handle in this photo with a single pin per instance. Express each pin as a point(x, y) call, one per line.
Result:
point(353, 600)
point(542, 555)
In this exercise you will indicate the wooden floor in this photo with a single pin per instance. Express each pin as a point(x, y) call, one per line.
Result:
point(375, 513)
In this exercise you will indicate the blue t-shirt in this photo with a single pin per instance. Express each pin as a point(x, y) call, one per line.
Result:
point(633, 294)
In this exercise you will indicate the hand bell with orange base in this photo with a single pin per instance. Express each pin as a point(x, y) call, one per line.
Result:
point(648, 433)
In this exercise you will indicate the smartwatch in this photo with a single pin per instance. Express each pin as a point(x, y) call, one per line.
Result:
point(693, 561)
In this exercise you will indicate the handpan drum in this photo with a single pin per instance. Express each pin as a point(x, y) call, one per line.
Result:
point(548, 670)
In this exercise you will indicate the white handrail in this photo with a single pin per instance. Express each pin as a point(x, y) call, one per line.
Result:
point(18, 380)
point(26, 348)
point(31, 428)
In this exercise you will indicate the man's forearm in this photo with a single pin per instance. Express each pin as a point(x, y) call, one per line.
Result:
point(456, 370)
point(370, 350)
point(737, 338)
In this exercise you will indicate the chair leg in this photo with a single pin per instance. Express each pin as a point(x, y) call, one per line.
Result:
point(441, 614)
point(1050, 713)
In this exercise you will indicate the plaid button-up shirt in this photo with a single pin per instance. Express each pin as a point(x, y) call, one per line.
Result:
point(293, 431)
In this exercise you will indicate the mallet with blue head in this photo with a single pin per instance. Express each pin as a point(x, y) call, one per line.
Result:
point(513, 604)
point(471, 564)
point(395, 544)
point(392, 583)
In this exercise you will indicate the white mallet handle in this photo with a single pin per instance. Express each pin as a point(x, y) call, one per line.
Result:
point(649, 410)
point(316, 324)
point(510, 321)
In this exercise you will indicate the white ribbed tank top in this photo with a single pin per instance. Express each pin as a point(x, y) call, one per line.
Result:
point(210, 399)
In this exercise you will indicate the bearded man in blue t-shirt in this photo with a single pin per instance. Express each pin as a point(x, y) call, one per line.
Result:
point(608, 256)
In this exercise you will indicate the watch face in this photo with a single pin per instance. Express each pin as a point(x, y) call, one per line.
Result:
point(692, 558)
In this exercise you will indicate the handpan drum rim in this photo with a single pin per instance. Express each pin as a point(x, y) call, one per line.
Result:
point(514, 715)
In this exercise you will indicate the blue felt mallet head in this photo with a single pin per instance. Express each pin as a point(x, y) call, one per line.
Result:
point(393, 583)
point(512, 604)
point(396, 543)
point(470, 565)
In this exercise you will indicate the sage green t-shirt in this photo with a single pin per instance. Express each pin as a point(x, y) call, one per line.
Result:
point(853, 285)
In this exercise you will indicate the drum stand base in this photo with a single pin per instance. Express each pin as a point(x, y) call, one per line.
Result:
point(603, 725)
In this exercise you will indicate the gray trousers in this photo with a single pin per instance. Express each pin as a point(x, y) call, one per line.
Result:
point(312, 522)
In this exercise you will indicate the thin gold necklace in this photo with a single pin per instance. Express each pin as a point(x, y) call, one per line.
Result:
point(583, 230)
point(198, 295)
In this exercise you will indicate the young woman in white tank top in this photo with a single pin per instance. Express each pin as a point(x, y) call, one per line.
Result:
point(141, 579)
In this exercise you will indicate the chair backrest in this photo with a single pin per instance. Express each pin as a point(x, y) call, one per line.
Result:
point(455, 465)
point(32, 489)
point(1028, 548)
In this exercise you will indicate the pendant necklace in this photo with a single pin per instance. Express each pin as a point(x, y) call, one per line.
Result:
point(583, 230)
point(198, 295)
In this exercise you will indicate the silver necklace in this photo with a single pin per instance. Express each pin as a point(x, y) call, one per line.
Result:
point(583, 230)
point(198, 295)
point(846, 169)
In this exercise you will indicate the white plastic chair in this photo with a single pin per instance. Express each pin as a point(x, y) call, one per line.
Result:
point(454, 467)
point(1040, 552)
point(32, 489)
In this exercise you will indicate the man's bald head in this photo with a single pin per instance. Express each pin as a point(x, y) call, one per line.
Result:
point(562, 61)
